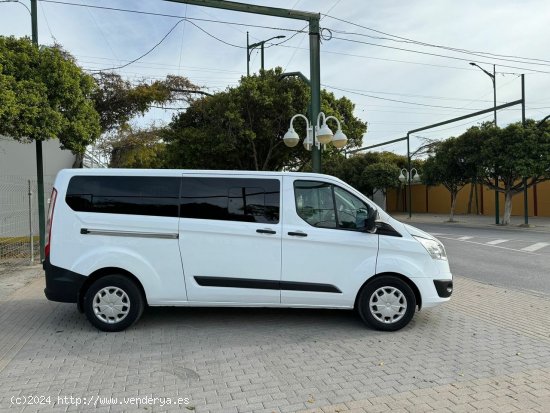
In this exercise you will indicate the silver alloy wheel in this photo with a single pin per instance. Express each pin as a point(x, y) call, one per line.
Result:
point(388, 305)
point(111, 305)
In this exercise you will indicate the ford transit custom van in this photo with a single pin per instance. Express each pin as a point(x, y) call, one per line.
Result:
point(120, 240)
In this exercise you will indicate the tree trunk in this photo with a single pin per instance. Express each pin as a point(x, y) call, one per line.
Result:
point(453, 205)
point(477, 197)
point(507, 208)
point(470, 198)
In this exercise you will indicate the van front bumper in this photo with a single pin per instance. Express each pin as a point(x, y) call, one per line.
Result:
point(62, 285)
point(444, 288)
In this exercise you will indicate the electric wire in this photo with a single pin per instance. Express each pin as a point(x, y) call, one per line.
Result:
point(175, 16)
point(393, 100)
point(435, 54)
point(408, 40)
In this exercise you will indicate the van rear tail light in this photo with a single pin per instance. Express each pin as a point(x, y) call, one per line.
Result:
point(49, 224)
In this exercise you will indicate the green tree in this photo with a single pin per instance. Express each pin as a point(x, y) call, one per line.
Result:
point(519, 155)
point(243, 127)
point(352, 170)
point(44, 94)
point(449, 167)
point(117, 100)
point(137, 148)
point(371, 171)
point(382, 175)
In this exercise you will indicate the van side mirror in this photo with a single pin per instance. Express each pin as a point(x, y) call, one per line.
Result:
point(370, 222)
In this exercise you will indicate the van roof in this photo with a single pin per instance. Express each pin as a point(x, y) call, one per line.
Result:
point(179, 172)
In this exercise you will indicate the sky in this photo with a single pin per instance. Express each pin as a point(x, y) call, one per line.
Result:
point(362, 54)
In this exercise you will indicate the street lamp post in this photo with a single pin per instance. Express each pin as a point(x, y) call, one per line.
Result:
point(494, 80)
point(316, 135)
point(407, 177)
point(250, 47)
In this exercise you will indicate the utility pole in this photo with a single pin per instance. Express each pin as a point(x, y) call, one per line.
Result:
point(497, 209)
point(493, 77)
point(38, 146)
point(525, 200)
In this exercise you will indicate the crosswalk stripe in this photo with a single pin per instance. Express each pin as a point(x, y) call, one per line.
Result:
point(535, 247)
point(497, 241)
point(464, 238)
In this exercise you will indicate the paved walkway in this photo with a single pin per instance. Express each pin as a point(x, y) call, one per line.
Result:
point(535, 223)
point(486, 350)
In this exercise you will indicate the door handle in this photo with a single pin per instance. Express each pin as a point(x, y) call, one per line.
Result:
point(266, 231)
point(297, 234)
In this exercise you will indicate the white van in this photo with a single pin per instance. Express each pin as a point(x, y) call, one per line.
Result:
point(119, 240)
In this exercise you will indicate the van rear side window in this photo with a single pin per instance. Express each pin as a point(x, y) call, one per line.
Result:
point(132, 195)
point(231, 199)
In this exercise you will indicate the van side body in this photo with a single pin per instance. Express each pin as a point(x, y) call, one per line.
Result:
point(233, 238)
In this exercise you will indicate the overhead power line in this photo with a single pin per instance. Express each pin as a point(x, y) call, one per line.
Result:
point(174, 16)
point(420, 43)
point(434, 54)
point(393, 100)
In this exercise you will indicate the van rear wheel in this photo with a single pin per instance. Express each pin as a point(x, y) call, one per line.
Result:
point(113, 303)
point(387, 303)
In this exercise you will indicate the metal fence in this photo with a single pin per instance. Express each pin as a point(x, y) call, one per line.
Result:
point(19, 233)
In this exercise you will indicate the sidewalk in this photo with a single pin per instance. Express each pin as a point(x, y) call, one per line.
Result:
point(540, 224)
point(486, 350)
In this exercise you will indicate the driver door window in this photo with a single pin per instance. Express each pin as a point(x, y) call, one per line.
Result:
point(315, 204)
point(324, 205)
point(350, 210)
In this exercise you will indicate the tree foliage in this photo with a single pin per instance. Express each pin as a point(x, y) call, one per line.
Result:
point(243, 127)
point(370, 171)
point(519, 155)
point(44, 94)
point(449, 166)
point(137, 148)
point(118, 100)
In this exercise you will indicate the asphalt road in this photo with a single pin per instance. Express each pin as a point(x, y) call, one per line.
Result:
point(507, 257)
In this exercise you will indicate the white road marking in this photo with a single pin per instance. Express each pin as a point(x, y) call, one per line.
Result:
point(464, 238)
point(535, 247)
point(497, 241)
point(491, 246)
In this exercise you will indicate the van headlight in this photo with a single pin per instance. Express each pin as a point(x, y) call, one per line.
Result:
point(434, 248)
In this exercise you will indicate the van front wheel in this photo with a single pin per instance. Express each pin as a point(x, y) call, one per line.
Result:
point(113, 303)
point(387, 303)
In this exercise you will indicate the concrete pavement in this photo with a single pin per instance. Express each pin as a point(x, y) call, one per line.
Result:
point(488, 350)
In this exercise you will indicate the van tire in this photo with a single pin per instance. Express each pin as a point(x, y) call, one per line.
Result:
point(397, 303)
point(113, 303)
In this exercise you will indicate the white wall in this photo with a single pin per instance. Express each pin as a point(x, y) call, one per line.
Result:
point(19, 159)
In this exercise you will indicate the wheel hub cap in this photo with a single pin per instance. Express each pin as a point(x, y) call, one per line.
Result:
point(111, 305)
point(388, 305)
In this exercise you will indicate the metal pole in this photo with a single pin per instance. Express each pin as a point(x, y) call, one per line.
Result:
point(497, 206)
point(263, 55)
point(39, 161)
point(495, 92)
point(315, 76)
point(409, 175)
point(31, 240)
point(247, 56)
point(525, 199)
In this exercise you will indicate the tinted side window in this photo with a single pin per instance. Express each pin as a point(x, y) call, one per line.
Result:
point(231, 199)
point(133, 195)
